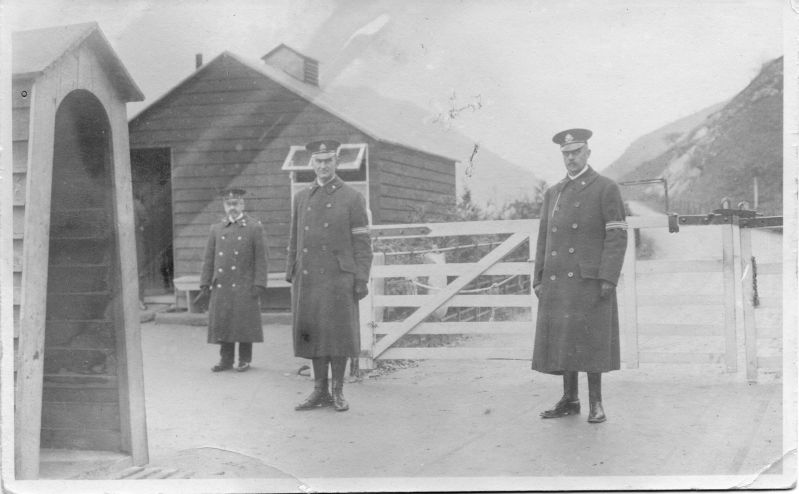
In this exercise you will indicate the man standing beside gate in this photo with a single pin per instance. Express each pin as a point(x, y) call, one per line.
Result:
point(330, 255)
point(582, 239)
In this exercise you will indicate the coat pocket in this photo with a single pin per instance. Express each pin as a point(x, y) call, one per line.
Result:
point(589, 271)
point(347, 265)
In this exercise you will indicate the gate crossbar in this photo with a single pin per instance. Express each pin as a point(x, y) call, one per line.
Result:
point(448, 292)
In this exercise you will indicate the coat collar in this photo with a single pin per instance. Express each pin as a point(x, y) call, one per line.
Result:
point(330, 187)
point(241, 221)
point(580, 182)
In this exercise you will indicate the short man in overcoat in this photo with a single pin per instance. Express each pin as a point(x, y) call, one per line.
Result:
point(234, 276)
point(330, 255)
point(581, 244)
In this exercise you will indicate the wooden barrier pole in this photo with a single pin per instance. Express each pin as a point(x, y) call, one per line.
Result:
point(747, 293)
point(368, 315)
point(728, 270)
point(629, 319)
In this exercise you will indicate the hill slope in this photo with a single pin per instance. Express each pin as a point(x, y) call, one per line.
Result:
point(724, 154)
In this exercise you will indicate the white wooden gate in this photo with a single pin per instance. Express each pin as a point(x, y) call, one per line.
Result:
point(377, 336)
point(726, 323)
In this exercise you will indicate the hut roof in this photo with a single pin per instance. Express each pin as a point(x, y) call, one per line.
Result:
point(36, 51)
point(357, 108)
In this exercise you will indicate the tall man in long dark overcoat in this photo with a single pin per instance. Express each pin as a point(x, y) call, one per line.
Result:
point(234, 276)
point(581, 244)
point(330, 255)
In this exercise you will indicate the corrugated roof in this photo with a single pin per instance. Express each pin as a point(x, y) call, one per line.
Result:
point(35, 51)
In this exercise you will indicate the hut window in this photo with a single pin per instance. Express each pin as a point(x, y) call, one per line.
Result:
point(351, 158)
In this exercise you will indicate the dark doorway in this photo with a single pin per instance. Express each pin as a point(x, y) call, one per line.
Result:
point(80, 403)
point(151, 172)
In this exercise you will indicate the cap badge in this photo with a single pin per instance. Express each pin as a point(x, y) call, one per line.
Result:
point(322, 148)
point(568, 138)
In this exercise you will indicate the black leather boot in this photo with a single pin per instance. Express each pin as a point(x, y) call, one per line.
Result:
point(597, 413)
point(320, 396)
point(569, 404)
point(338, 364)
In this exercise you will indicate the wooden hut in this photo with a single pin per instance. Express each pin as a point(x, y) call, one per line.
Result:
point(75, 283)
point(237, 122)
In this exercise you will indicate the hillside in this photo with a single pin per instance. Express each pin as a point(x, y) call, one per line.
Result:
point(655, 143)
point(724, 154)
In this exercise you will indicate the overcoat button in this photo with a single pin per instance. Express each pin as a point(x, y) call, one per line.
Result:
point(328, 205)
point(306, 228)
point(239, 238)
point(304, 271)
point(219, 285)
point(309, 208)
point(327, 224)
point(574, 226)
point(552, 277)
point(220, 270)
point(324, 248)
point(571, 250)
point(305, 249)
point(554, 252)
point(236, 252)
point(233, 285)
point(570, 275)
point(233, 268)
point(577, 204)
point(221, 254)
point(554, 228)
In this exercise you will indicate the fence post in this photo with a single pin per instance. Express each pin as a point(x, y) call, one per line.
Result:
point(630, 304)
point(728, 270)
point(532, 248)
point(369, 315)
point(747, 294)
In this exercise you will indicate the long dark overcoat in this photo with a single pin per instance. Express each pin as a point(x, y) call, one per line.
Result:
point(582, 239)
point(329, 249)
point(235, 261)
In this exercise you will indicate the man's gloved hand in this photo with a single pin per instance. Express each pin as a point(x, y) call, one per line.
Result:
point(257, 291)
point(361, 290)
point(605, 288)
point(537, 289)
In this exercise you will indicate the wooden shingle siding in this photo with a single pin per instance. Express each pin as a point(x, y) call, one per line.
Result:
point(413, 185)
point(22, 94)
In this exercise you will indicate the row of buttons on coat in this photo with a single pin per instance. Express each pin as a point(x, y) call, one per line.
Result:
point(569, 274)
point(328, 205)
point(308, 227)
point(571, 251)
point(574, 227)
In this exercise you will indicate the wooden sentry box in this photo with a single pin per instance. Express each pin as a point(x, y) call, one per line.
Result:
point(78, 365)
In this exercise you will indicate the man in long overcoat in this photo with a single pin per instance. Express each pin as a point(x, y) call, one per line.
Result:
point(581, 244)
point(234, 276)
point(330, 255)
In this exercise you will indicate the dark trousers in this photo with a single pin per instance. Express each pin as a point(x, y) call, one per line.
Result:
point(228, 352)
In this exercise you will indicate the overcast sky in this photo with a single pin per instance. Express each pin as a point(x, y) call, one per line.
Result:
point(622, 68)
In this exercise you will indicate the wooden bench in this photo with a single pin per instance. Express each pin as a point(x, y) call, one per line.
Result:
point(187, 287)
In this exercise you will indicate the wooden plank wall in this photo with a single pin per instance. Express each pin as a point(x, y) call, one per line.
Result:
point(232, 127)
point(21, 100)
point(413, 186)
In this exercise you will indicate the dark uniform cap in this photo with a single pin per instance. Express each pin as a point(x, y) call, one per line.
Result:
point(572, 139)
point(232, 194)
point(323, 149)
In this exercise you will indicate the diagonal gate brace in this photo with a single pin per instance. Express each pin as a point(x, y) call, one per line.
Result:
point(450, 291)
